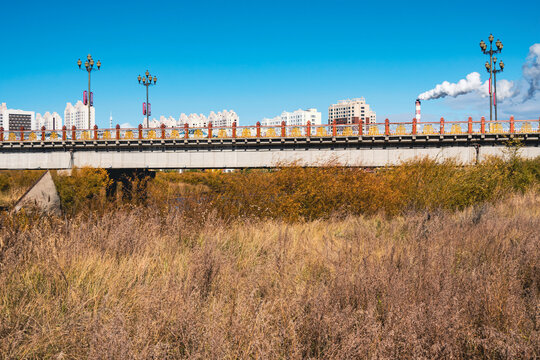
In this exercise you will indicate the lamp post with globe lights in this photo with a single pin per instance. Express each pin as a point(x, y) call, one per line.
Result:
point(491, 52)
point(494, 70)
point(147, 82)
point(89, 67)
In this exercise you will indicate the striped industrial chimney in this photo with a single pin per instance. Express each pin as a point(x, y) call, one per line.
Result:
point(417, 110)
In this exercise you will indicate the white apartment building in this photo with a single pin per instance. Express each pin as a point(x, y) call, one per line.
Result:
point(50, 121)
point(299, 117)
point(77, 115)
point(12, 119)
point(351, 111)
point(224, 118)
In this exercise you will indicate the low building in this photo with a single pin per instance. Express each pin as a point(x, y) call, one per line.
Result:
point(224, 118)
point(50, 121)
point(351, 111)
point(296, 118)
point(12, 119)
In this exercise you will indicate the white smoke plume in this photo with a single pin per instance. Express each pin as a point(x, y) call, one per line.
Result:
point(521, 91)
point(531, 71)
point(471, 83)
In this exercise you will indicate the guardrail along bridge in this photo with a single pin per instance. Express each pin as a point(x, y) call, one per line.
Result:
point(369, 145)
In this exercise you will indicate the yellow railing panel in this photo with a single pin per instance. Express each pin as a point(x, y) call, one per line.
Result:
point(270, 133)
point(246, 132)
point(321, 132)
point(400, 130)
point(373, 130)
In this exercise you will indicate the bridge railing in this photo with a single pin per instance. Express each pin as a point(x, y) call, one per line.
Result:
point(386, 128)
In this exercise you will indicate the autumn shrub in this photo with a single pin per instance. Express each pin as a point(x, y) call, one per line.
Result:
point(295, 193)
point(85, 188)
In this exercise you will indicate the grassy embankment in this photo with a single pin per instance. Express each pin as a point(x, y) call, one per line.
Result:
point(418, 261)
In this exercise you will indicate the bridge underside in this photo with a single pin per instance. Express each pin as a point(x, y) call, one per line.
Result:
point(366, 151)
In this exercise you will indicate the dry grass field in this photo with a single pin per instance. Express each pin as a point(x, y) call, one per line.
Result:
point(13, 184)
point(409, 276)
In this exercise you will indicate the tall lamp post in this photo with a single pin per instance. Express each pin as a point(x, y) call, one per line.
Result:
point(494, 70)
point(147, 82)
point(89, 67)
point(491, 52)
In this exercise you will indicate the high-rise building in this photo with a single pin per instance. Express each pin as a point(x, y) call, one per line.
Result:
point(351, 111)
point(78, 116)
point(50, 121)
point(12, 119)
point(299, 117)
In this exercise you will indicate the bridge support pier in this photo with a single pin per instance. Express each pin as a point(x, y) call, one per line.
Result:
point(134, 182)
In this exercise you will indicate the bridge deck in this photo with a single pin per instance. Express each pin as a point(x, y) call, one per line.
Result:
point(254, 152)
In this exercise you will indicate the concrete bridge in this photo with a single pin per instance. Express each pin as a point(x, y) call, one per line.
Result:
point(370, 145)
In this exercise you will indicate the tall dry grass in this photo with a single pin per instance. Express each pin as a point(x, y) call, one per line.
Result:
point(143, 283)
point(13, 185)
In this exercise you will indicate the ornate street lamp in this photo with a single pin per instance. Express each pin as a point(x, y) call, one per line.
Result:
point(494, 70)
point(89, 67)
point(490, 67)
point(147, 81)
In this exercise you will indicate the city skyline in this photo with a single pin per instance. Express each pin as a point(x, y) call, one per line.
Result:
point(206, 60)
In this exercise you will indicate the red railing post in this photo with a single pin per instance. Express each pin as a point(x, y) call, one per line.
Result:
point(95, 132)
point(140, 131)
point(22, 133)
point(283, 131)
point(162, 131)
point(361, 127)
point(441, 130)
point(512, 125)
point(73, 132)
point(414, 126)
point(64, 135)
point(308, 129)
point(483, 125)
point(469, 123)
point(258, 129)
point(234, 129)
point(117, 132)
point(186, 131)
point(209, 129)
point(2, 133)
point(334, 130)
point(43, 133)
point(386, 127)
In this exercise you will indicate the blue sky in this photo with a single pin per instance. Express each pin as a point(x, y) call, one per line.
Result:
point(258, 57)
